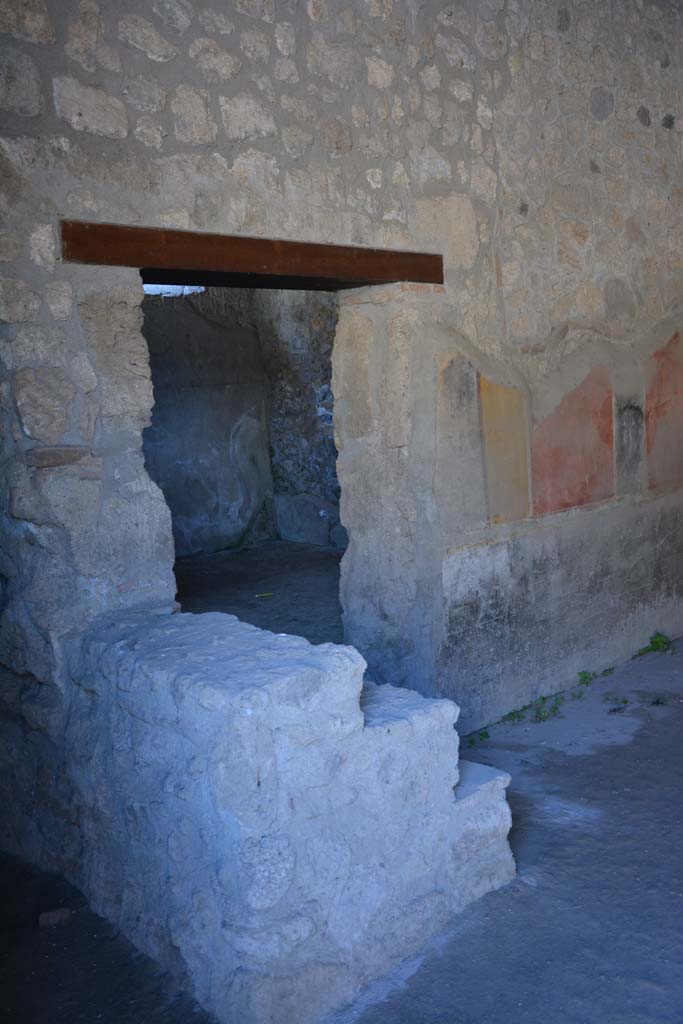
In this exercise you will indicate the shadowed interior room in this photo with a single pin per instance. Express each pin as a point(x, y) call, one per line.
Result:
point(241, 444)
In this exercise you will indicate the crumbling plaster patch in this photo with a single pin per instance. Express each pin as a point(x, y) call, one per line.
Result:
point(421, 512)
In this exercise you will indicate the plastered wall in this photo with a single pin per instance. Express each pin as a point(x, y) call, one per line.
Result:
point(537, 146)
point(492, 555)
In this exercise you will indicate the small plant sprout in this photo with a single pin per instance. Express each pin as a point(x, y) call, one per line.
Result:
point(659, 643)
point(546, 707)
point(517, 715)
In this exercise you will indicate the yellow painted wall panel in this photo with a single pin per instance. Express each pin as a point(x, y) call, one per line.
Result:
point(504, 427)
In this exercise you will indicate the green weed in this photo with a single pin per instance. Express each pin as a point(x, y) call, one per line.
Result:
point(546, 707)
point(516, 716)
point(659, 643)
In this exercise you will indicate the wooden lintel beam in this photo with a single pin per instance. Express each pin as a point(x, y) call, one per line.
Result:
point(166, 255)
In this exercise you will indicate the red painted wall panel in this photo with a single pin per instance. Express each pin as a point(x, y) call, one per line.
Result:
point(572, 457)
point(664, 417)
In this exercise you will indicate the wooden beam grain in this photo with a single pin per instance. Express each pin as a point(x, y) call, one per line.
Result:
point(169, 256)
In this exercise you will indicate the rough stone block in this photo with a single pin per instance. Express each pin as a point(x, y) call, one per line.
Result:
point(59, 298)
point(215, 63)
point(262, 9)
point(43, 398)
point(144, 93)
point(85, 41)
point(29, 347)
point(18, 302)
point(177, 14)
point(320, 814)
point(215, 21)
point(141, 34)
point(26, 19)
point(193, 121)
point(246, 117)
point(338, 62)
point(20, 91)
point(89, 110)
point(42, 246)
point(112, 321)
point(255, 46)
point(149, 132)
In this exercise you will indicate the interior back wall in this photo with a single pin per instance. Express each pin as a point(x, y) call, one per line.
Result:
point(207, 446)
point(295, 331)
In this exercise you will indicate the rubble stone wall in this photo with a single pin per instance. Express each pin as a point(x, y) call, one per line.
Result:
point(537, 146)
point(531, 407)
point(270, 830)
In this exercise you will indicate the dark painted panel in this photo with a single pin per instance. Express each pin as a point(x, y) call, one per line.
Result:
point(629, 443)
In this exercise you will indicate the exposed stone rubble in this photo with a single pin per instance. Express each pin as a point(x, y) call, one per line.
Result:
point(295, 334)
point(294, 827)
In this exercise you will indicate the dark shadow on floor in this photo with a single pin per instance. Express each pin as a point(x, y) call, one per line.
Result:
point(79, 971)
point(280, 586)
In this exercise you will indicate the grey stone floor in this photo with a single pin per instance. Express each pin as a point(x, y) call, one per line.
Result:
point(280, 586)
point(590, 932)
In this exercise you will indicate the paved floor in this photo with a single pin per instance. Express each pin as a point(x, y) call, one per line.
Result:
point(590, 932)
point(284, 587)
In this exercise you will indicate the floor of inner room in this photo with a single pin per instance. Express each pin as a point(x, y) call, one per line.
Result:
point(589, 932)
point(279, 585)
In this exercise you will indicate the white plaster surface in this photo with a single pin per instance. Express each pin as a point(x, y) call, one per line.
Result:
point(265, 826)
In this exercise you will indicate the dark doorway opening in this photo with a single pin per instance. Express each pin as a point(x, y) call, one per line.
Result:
point(263, 498)
point(241, 444)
